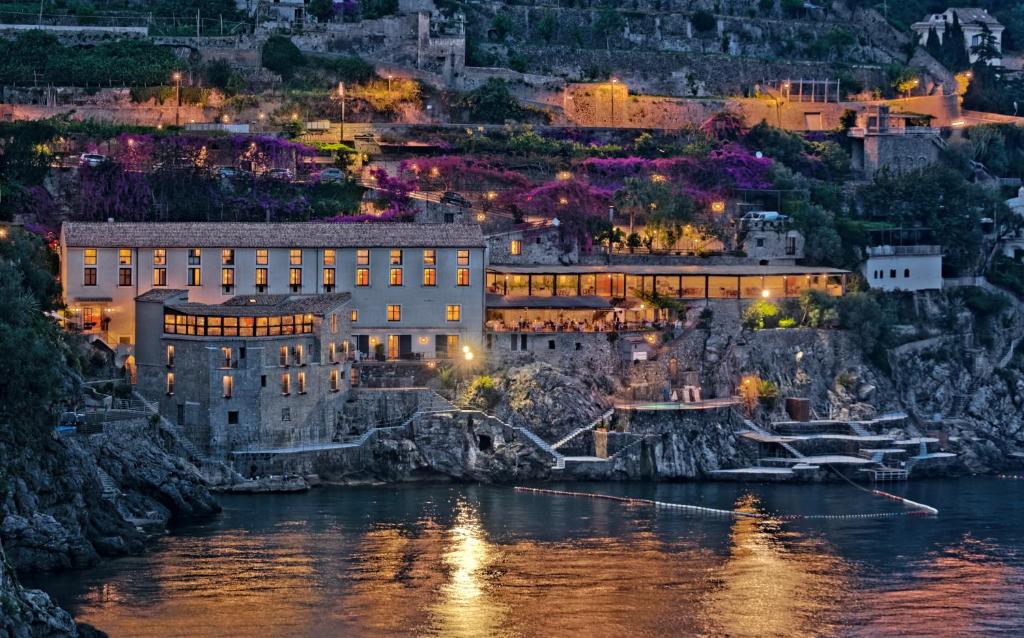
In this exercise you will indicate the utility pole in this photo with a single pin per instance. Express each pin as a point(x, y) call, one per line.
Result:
point(197, 23)
point(177, 96)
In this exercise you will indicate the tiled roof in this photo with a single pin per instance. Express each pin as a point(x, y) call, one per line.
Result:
point(275, 235)
point(258, 305)
point(967, 15)
point(160, 294)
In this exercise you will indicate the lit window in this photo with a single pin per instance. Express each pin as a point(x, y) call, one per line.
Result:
point(353, 316)
point(396, 257)
point(261, 277)
point(295, 276)
point(225, 354)
point(159, 276)
point(463, 257)
point(295, 257)
point(283, 355)
point(89, 277)
point(227, 276)
point(396, 277)
point(89, 257)
point(394, 312)
point(328, 277)
point(286, 384)
point(454, 313)
point(429, 276)
point(261, 257)
point(334, 324)
point(124, 276)
point(362, 257)
point(329, 257)
point(227, 257)
point(170, 355)
point(335, 380)
point(195, 256)
point(516, 248)
point(124, 257)
point(429, 257)
point(362, 276)
point(462, 276)
point(302, 383)
point(298, 355)
point(159, 256)
point(194, 277)
point(170, 383)
point(229, 386)
point(332, 352)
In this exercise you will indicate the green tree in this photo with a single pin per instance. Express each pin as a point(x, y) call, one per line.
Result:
point(501, 24)
point(547, 26)
point(31, 347)
point(932, 44)
point(322, 10)
point(493, 103)
point(954, 46)
point(281, 56)
point(607, 24)
point(373, 9)
point(987, 48)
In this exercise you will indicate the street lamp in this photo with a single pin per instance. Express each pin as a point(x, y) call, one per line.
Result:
point(177, 95)
point(390, 77)
point(717, 207)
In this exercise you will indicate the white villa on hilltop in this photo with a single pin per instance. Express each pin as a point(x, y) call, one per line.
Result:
point(973, 21)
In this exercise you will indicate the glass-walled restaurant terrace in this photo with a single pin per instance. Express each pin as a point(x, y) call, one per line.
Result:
point(610, 298)
point(679, 282)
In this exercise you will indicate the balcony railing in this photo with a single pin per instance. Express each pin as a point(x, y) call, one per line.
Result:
point(893, 251)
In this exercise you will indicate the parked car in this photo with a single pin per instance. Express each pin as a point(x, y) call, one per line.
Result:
point(764, 216)
point(92, 159)
point(284, 174)
point(332, 174)
point(70, 421)
point(454, 199)
point(226, 171)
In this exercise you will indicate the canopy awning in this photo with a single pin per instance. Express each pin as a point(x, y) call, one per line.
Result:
point(584, 302)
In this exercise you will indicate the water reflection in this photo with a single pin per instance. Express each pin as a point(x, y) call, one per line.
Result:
point(466, 605)
point(482, 561)
point(775, 582)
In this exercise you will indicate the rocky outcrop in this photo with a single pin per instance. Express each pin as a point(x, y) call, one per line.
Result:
point(67, 502)
point(549, 401)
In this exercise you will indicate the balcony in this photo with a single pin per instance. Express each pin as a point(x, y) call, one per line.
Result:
point(899, 251)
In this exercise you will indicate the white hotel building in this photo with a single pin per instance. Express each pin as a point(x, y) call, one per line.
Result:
point(417, 289)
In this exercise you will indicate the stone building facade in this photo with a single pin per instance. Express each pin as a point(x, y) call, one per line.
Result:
point(256, 372)
point(883, 139)
point(417, 289)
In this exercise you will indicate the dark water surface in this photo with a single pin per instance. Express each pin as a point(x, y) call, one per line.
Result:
point(487, 561)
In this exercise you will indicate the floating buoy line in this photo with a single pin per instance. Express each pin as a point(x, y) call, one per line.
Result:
point(1012, 477)
point(918, 509)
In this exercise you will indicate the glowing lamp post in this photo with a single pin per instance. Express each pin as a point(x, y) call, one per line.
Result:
point(718, 207)
point(177, 96)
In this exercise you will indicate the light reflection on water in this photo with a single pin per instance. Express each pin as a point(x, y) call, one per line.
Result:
point(486, 561)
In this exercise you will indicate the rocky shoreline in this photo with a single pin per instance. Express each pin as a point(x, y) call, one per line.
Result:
point(69, 502)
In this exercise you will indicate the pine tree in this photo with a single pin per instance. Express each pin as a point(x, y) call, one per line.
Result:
point(954, 47)
point(932, 44)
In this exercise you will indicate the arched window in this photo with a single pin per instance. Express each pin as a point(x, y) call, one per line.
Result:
point(906, 272)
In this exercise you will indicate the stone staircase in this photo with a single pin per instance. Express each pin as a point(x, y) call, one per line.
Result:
point(110, 489)
point(586, 428)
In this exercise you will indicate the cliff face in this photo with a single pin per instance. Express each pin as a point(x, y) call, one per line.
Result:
point(29, 613)
point(67, 502)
